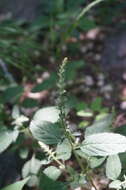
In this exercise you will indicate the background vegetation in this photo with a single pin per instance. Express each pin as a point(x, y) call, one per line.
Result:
point(82, 97)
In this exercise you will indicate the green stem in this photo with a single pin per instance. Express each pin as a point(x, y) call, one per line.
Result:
point(62, 115)
point(82, 13)
point(87, 8)
point(75, 24)
point(79, 161)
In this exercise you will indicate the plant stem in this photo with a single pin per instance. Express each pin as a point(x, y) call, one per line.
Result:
point(91, 181)
point(61, 105)
point(82, 13)
point(87, 8)
point(75, 24)
point(79, 161)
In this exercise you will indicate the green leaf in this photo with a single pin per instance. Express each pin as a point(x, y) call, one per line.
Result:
point(23, 152)
point(33, 181)
point(121, 130)
point(100, 126)
point(113, 167)
point(30, 103)
point(12, 94)
point(52, 172)
point(46, 183)
point(50, 114)
point(71, 69)
point(20, 120)
point(16, 186)
point(86, 24)
point(6, 138)
point(31, 167)
point(63, 150)
point(82, 154)
point(47, 132)
point(104, 144)
point(115, 184)
point(95, 162)
point(123, 160)
point(84, 113)
point(96, 104)
point(15, 112)
point(46, 84)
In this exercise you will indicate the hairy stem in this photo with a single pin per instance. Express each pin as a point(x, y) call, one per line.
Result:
point(61, 105)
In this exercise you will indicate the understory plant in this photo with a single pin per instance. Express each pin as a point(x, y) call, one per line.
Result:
point(70, 158)
point(97, 145)
point(58, 157)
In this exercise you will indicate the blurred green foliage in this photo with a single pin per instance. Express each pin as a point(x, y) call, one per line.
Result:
point(26, 49)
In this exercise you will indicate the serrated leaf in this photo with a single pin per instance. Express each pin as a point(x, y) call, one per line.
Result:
point(104, 144)
point(47, 132)
point(50, 114)
point(6, 138)
point(100, 126)
point(46, 183)
point(16, 186)
point(52, 172)
point(63, 150)
point(113, 167)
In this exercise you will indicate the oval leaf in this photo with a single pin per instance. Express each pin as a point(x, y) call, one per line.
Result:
point(63, 150)
point(52, 172)
point(113, 167)
point(47, 132)
point(31, 167)
point(104, 144)
point(50, 114)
